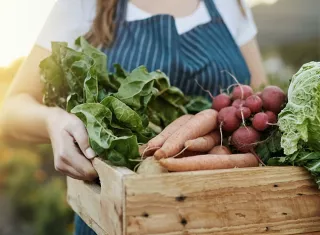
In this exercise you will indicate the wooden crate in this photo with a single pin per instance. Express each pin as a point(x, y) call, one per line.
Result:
point(261, 200)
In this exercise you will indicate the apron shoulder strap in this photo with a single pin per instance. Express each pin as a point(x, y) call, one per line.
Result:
point(212, 9)
point(121, 10)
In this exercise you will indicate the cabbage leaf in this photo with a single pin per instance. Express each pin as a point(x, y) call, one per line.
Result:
point(299, 121)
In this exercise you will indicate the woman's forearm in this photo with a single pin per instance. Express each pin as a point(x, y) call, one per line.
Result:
point(24, 119)
point(252, 56)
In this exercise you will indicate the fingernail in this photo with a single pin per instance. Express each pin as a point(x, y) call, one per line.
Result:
point(90, 153)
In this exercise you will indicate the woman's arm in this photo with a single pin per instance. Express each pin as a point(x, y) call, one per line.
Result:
point(25, 118)
point(252, 56)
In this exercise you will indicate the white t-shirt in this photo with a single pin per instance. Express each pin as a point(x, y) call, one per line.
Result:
point(71, 18)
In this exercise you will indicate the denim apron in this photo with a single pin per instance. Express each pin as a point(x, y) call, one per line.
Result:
point(206, 53)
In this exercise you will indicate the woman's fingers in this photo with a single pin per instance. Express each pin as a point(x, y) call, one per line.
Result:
point(199, 125)
point(159, 140)
point(204, 143)
point(69, 171)
point(80, 164)
point(80, 135)
point(70, 161)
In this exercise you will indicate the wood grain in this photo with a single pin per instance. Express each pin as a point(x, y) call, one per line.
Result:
point(100, 208)
point(86, 208)
point(285, 200)
point(261, 200)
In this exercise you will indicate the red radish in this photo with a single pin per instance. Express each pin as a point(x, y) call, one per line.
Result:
point(228, 120)
point(254, 103)
point(272, 118)
point(238, 103)
point(221, 101)
point(243, 112)
point(260, 121)
point(241, 92)
point(273, 98)
point(244, 139)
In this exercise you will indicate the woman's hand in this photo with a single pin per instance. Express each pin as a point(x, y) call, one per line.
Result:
point(174, 137)
point(70, 144)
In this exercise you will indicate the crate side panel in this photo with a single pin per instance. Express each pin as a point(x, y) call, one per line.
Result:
point(100, 207)
point(85, 204)
point(238, 198)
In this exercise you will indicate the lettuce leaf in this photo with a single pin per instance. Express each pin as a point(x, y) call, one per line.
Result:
point(197, 104)
point(299, 121)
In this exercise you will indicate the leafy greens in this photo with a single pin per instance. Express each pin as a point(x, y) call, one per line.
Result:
point(118, 109)
point(299, 124)
point(299, 121)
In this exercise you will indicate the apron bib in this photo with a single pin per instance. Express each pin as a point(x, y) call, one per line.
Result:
point(203, 54)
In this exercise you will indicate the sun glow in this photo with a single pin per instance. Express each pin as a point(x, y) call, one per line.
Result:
point(253, 3)
point(20, 24)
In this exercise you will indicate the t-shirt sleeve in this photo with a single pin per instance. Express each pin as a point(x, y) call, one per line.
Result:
point(246, 27)
point(67, 20)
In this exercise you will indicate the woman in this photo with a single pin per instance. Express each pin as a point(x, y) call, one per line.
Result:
point(186, 39)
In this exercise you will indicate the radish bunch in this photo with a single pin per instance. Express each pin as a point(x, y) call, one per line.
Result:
point(244, 115)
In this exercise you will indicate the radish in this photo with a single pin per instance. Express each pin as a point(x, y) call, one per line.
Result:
point(243, 112)
point(220, 150)
point(218, 102)
point(254, 103)
point(228, 120)
point(272, 118)
point(273, 98)
point(244, 139)
point(221, 101)
point(150, 166)
point(241, 92)
point(238, 103)
point(259, 93)
point(260, 121)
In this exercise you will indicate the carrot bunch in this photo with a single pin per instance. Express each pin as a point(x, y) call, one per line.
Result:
point(198, 142)
point(192, 142)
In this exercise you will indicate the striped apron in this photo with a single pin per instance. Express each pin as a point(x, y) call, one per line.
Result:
point(206, 53)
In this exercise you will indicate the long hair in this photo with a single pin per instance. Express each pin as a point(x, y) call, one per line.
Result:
point(240, 4)
point(103, 26)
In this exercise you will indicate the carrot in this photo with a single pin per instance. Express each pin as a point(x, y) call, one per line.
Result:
point(220, 150)
point(158, 140)
point(209, 162)
point(188, 153)
point(205, 143)
point(201, 124)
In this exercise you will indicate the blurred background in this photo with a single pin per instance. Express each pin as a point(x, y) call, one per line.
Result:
point(32, 194)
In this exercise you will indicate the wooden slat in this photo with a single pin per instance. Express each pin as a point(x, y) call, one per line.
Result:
point(236, 201)
point(86, 212)
point(101, 208)
point(284, 227)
